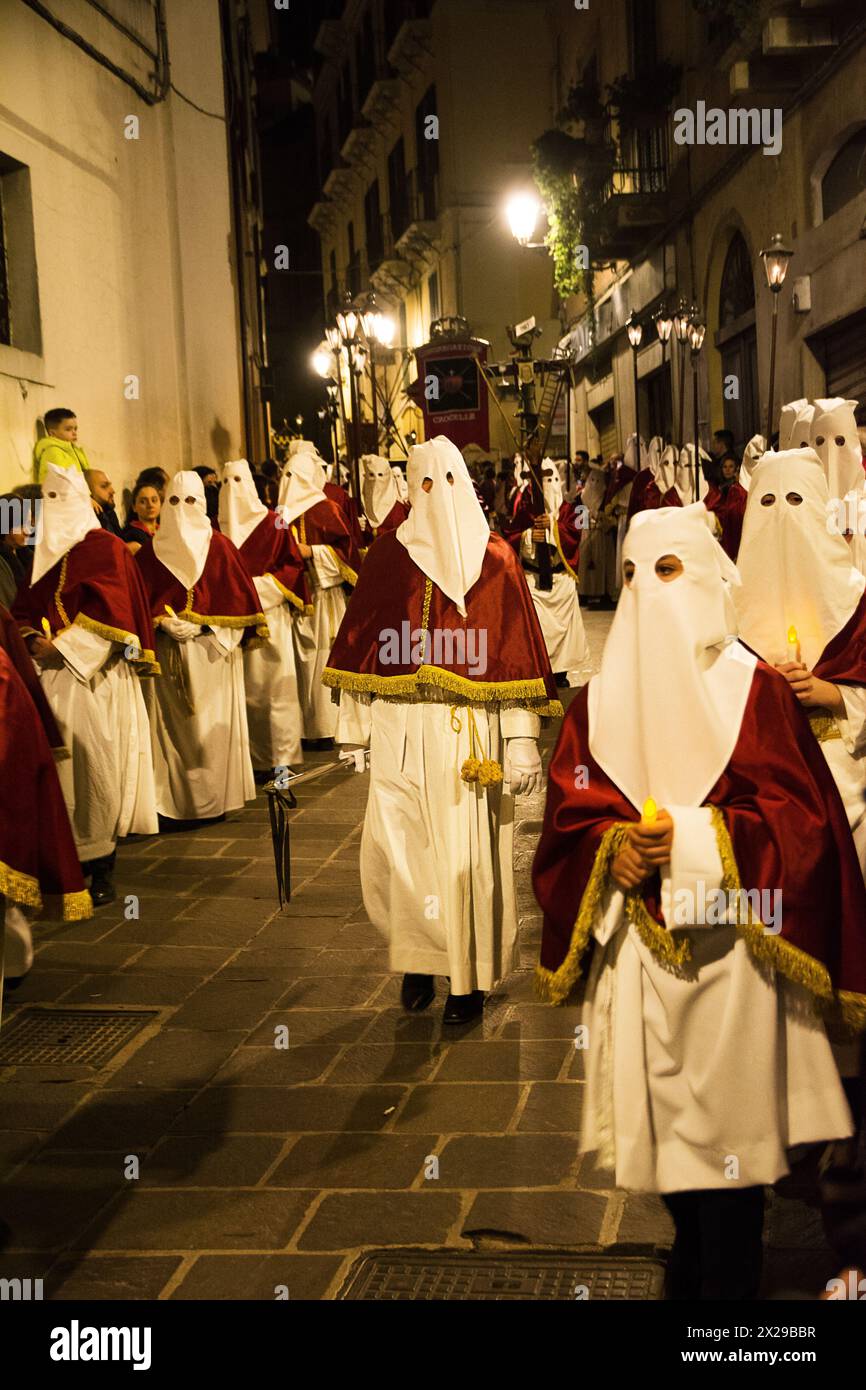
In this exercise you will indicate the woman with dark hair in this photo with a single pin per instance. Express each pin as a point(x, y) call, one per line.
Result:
point(142, 519)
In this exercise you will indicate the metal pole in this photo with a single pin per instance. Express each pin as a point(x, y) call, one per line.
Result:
point(697, 431)
point(634, 353)
point(682, 394)
point(772, 370)
point(375, 401)
point(356, 428)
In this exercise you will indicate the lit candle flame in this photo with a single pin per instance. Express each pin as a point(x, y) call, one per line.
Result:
point(650, 811)
point(46, 628)
point(793, 639)
point(170, 611)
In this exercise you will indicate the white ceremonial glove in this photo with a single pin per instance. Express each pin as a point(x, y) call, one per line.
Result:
point(180, 629)
point(522, 766)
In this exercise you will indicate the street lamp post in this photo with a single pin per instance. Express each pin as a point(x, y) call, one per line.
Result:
point(697, 333)
point(634, 328)
point(681, 332)
point(776, 257)
point(664, 327)
point(347, 328)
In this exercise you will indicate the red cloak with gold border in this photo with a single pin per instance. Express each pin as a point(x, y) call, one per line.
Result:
point(780, 824)
point(645, 494)
point(397, 515)
point(96, 586)
point(730, 509)
point(12, 643)
point(394, 594)
point(324, 524)
point(843, 660)
point(39, 867)
point(270, 549)
point(348, 509)
point(224, 594)
point(565, 530)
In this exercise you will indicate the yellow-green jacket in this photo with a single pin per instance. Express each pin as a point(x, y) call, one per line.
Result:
point(57, 451)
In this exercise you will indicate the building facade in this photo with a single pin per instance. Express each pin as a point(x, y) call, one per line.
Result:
point(130, 287)
point(425, 111)
point(689, 220)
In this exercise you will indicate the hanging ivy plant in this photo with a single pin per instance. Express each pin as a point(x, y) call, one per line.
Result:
point(571, 175)
point(738, 14)
point(583, 103)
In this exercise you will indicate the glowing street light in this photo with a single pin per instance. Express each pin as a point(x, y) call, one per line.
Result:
point(322, 363)
point(776, 257)
point(634, 329)
point(523, 211)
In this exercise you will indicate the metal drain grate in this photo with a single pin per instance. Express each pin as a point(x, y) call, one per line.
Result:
point(89, 1037)
point(417, 1275)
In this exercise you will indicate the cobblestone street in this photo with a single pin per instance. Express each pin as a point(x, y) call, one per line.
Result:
point(262, 1166)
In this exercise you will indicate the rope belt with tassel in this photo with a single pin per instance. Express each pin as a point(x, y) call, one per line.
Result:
point(485, 771)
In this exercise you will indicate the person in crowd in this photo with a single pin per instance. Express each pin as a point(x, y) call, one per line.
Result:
point(452, 727)
point(59, 445)
point(727, 502)
point(205, 605)
point(17, 524)
point(673, 853)
point(87, 624)
point(154, 477)
point(211, 483)
point(102, 493)
point(142, 521)
point(326, 544)
point(383, 510)
point(557, 608)
point(723, 442)
point(271, 555)
point(621, 473)
point(594, 551)
point(651, 484)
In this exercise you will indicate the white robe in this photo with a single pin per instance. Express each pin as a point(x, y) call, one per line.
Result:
point(271, 683)
point(846, 759)
point(436, 870)
point(202, 760)
point(559, 617)
point(702, 1080)
point(108, 783)
point(314, 636)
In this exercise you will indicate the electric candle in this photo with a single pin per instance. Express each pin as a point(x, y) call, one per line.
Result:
point(793, 644)
point(650, 811)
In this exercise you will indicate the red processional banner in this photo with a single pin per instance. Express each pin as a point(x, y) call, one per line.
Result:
point(451, 391)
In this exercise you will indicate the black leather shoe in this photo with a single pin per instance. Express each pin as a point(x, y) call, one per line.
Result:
point(463, 1008)
point(102, 890)
point(417, 992)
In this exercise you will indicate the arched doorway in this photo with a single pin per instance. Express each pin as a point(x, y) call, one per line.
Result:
point(737, 342)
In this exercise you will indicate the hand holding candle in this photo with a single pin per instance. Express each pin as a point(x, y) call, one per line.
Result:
point(653, 835)
point(46, 628)
point(793, 644)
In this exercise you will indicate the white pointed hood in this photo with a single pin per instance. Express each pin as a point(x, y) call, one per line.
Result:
point(378, 488)
point(301, 446)
point(666, 707)
point(787, 420)
point(446, 533)
point(795, 571)
point(635, 457)
point(667, 469)
point(301, 485)
point(801, 430)
point(835, 440)
point(400, 480)
point(594, 487)
point(684, 481)
point(653, 460)
point(551, 485)
point(240, 509)
point(183, 539)
point(65, 516)
point(754, 452)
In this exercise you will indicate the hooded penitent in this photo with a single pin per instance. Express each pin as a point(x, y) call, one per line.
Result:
point(65, 517)
point(795, 572)
point(682, 714)
point(301, 486)
point(684, 480)
point(83, 576)
point(801, 430)
point(835, 440)
point(664, 656)
point(667, 469)
point(634, 457)
point(182, 542)
point(378, 489)
point(445, 533)
point(266, 547)
point(752, 455)
point(240, 509)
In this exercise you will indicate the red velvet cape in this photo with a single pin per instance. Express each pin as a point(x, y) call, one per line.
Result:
point(788, 830)
point(38, 864)
point(395, 518)
point(271, 549)
point(645, 494)
point(621, 476)
point(96, 586)
point(223, 596)
point(569, 535)
point(12, 643)
point(730, 508)
point(843, 660)
point(348, 508)
point(391, 593)
point(325, 524)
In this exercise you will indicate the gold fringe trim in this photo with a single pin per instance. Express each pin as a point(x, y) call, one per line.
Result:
point(20, 888)
point(554, 986)
point(256, 620)
point(479, 692)
point(668, 951)
point(346, 571)
point(146, 657)
point(71, 907)
point(58, 602)
point(824, 727)
point(289, 596)
point(770, 949)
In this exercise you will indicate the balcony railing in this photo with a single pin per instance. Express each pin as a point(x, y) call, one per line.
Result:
point(643, 164)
